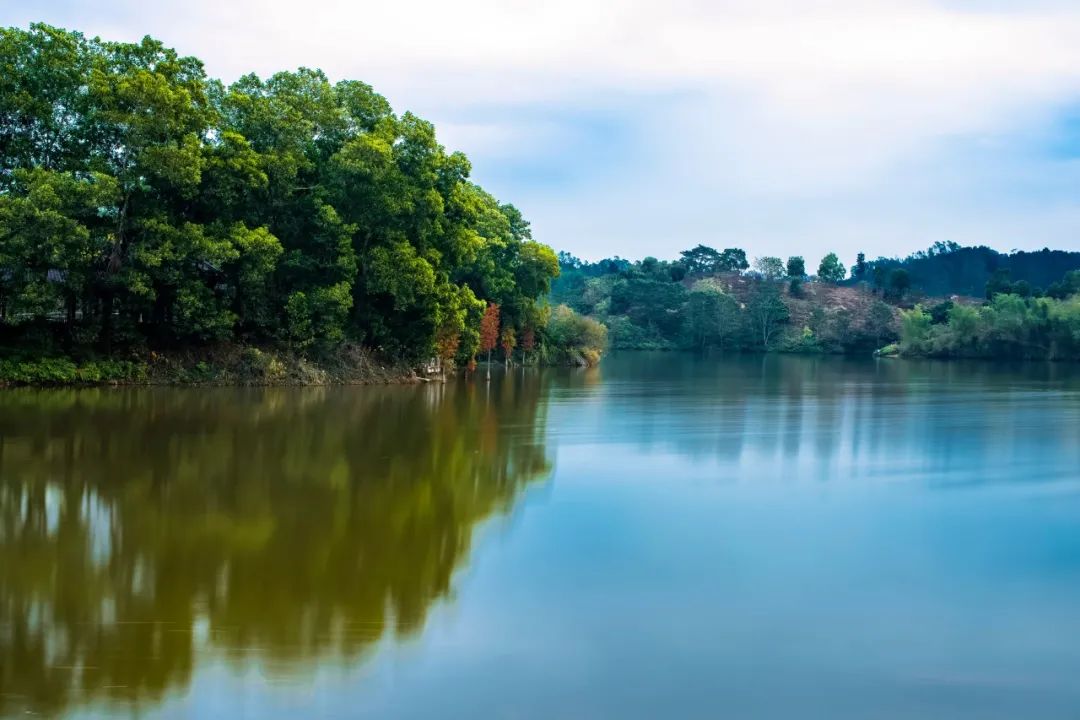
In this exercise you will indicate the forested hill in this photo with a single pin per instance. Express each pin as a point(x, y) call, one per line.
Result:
point(713, 299)
point(721, 298)
point(146, 206)
point(948, 269)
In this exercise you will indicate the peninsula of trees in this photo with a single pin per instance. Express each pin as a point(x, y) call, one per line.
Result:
point(291, 228)
point(147, 208)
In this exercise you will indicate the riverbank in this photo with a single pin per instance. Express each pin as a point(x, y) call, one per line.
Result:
point(217, 366)
point(235, 365)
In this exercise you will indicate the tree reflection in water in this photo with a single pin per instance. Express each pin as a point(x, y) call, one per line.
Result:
point(284, 525)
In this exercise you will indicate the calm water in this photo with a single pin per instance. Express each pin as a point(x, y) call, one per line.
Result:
point(662, 537)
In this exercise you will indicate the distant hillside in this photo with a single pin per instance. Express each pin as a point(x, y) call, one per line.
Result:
point(720, 298)
point(948, 269)
point(655, 304)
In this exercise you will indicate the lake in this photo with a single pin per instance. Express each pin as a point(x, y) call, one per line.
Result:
point(663, 536)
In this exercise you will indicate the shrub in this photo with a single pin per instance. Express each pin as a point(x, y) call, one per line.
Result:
point(63, 371)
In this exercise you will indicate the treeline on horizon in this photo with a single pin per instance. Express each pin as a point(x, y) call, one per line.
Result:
point(1015, 322)
point(146, 205)
point(720, 298)
point(712, 298)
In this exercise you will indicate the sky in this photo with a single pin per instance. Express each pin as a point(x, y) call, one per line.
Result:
point(631, 128)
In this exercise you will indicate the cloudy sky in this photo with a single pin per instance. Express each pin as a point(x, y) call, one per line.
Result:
point(635, 128)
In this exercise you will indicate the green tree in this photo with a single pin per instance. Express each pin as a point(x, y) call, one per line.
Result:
point(796, 273)
point(796, 267)
point(770, 268)
point(572, 338)
point(899, 283)
point(152, 204)
point(860, 269)
point(701, 260)
point(767, 313)
point(732, 260)
point(831, 270)
point(713, 316)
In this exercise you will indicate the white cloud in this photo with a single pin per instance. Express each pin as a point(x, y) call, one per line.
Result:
point(883, 124)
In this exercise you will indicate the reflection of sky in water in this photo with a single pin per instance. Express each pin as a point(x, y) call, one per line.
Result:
point(774, 538)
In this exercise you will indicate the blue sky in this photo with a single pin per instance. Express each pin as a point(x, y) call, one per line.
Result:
point(634, 128)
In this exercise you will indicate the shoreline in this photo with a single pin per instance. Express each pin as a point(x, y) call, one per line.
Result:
point(225, 366)
point(250, 366)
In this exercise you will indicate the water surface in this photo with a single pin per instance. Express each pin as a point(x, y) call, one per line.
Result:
point(665, 536)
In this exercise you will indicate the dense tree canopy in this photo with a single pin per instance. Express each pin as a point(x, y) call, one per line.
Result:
point(657, 304)
point(143, 202)
point(946, 268)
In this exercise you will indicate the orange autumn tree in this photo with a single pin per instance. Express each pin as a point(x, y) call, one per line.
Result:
point(447, 343)
point(509, 342)
point(489, 332)
point(528, 342)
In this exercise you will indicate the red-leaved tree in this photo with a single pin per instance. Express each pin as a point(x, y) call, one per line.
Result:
point(489, 332)
point(528, 342)
point(509, 342)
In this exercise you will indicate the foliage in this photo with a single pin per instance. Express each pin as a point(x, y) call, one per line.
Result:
point(573, 338)
point(706, 260)
point(767, 313)
point(947, 269)
point(143, 203)
point(712, 316)
point(647, 306)
point(831, 270)
point(508, 341)
point(796, 273)
point(860, 269)
point(770, 268)
point(1009, 325)
point(899, 283)
point(489, 329)
point(63, 371)
point(796, 267)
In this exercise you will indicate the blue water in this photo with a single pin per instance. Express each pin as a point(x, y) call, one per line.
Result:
point(745, 537)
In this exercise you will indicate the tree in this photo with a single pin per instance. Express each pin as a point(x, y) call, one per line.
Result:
point(881, 274)
point(880, 322)
point(732, 260)
point(831, 270)
point(528, 342)
point(712, 315)
point(767, 312)
point(770, 268)
point(489, 332)
point(899, 283)
point(651, 304)
point(796, 267)
point(508, 341)
point(860, 268)
point(151, 205)
point(796, 272)
point(999, 283)
point(701, 260)
point(575, 339)
point(915, 329)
